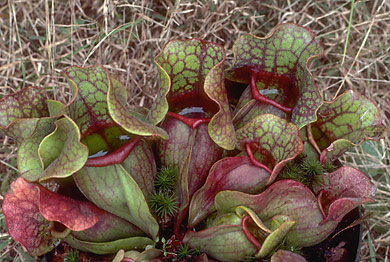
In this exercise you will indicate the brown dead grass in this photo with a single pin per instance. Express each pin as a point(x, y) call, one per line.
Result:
point(38, 39)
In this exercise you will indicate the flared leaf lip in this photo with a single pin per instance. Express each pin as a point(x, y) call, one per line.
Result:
point(269, 35)
point(16, 93)
point(78, 139)
point(354, 93)
point(66, 75)
point(35, 125)
point(378, 124)
point(374, 188)
point(278, 166)
point(294, 183)
point(170, 82)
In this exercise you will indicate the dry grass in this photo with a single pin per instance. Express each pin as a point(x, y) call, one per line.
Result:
point(38, 39)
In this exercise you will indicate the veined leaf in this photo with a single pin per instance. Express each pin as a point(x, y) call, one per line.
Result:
point(20, 111)
point(192, 71)
point(276, 67)
point(345, 122)
point(279, 138)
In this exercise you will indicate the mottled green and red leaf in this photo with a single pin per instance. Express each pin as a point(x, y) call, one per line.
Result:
point(191, 72)
point(276, 140)
point(25, 224)
point(99, 101)
point(61, 152)
point(276, 66)
point(292, 199)
point(344, 188)
point(30, 164)
point(20, 111)
point(232, 173)
point(345, 122)
point(116, 102)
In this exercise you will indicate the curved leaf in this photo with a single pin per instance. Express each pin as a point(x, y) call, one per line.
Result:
point(285, 255)
point(98, 101)
point(109, 247)
point(220, 128)
point(190, 69)
point(61, 152)
point(275, 135)
point(55, 108)
point(88, 106)
point(280, 229)
point(279, 63)
point(114, 190)
point(224, 243)
point(345, 122)
point(292, 199)
point(25, 224)
point(75, 215)
point(286, 197)
point(108, 228)
point(30, 164)
point(343, 188)
point(116, 106)
point(232, 173)
point(19, 112)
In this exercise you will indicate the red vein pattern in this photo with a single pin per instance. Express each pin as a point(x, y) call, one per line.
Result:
point(292, 199)
point(232, 173)
point(25, 224)
point(277, 136)
point(19, 112)
point(194, 68)
point(89, 103)
point(345, 122)
point(284, 54)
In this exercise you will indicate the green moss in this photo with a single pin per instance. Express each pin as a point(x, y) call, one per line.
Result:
point(166, 179)
point(164, 204)
point(72, 256)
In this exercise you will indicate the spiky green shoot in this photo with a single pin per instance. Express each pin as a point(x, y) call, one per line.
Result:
point(312, 167)
point(166, 178)
point(184, 251)
point(329, 167)
point(72, 256)
point(164, 204)
point(294, 172)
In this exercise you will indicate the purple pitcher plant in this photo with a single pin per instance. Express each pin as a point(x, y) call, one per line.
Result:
point(227, 164)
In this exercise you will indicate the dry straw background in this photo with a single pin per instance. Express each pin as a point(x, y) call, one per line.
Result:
point(39, 38)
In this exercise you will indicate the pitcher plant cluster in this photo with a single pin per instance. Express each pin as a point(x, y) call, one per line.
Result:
point(228, 162)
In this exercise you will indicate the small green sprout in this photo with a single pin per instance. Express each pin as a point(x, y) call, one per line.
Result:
point(312, 167)
point(72, 256)
point(164, 204)
point(166, 178)
point(294, 172)
point(329, 167)
point(184, 251)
